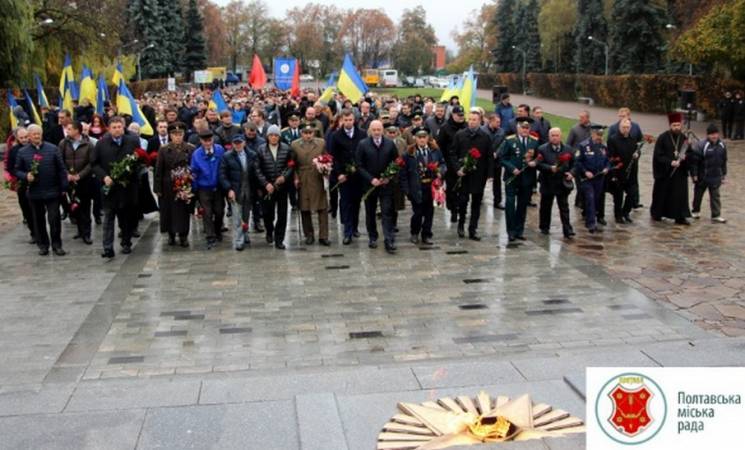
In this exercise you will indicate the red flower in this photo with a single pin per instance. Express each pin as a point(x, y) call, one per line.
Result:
point(475, 153)
point(400, 162)
point(433, 166)
point(152, 158)
point(534, 134)
point(200, 212)
point(565, 158)
point(539, 158)
point(74, 207)
point(244, 227)
point(38, 157)
point(291, 164)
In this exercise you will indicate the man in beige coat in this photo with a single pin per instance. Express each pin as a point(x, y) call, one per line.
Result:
point(311, 189)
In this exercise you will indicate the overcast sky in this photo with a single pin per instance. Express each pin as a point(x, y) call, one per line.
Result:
point(444, 15)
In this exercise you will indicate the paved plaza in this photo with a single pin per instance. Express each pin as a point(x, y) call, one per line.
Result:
point(313, 347)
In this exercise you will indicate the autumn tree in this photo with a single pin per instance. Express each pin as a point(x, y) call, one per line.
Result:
point(475, 39)
point(314, 35)
point(556, 21)
point(368, 34)
point(412, 52)
point(215, 34)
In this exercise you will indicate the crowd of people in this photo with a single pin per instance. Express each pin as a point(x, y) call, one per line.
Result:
point(241, 170)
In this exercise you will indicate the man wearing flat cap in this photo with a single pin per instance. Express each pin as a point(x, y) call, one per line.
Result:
point(205, 169)
point(709, 171)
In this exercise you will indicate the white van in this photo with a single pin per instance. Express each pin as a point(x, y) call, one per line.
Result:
point(389, 78)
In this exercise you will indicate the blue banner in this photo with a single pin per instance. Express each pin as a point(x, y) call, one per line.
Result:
point(284, 68)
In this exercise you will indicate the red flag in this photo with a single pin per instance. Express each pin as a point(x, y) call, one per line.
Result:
point(257, 79)
point(295, 89)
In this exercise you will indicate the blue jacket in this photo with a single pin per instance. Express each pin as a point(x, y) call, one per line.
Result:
point(206, 170)
point(51, 180)
point(591, 157)
point(410, 177)
point(506, 113)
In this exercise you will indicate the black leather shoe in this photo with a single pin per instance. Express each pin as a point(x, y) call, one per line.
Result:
point(638, 205)
point(171, 240)
point(474, 237)
point(87, 240)
point(269, 238)
point(453, 218)
point(347, 240)
point(184, 242)
point(602, 222)
point(414, 239)
point(682, 222)
point(310, 240)
point(372, 244)
point(59, 251)
point(461, 232)
point(356, 234)
point(499, 206)
point(77, 236)
point(43, 251)
point(532, 205)
point(511, 239)
point(127, 249)
point(544, 231)
point(325, 242)
point(258, 228)
point(98, 220)
point(136, 234)
point(620, 220)
point(521, 238)
point(108, 254)
point(390, 249)
point(280, 246)
point(395, 229)
point(32, 241)
point(427, 241)
point(628, 219)
point(239, 248)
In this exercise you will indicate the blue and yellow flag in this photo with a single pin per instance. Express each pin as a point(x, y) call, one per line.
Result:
point(126, 104)
point(43, 102)
point(467, 94)
point(118, 74)
point(11, 105)
point(218, 102)
point(448, 91)
point(65, 100)
point(102, 95)
point(88, 87)
point(328, 93)
point(32, 108)
point(67, 76)
point(350, 83)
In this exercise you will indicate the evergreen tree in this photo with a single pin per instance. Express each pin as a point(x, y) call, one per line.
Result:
point(173, 25)
point(527, 36)
point(145, 19)
point(589, 56)
point(195, 51)
point(17, 44)
point(636, 36)
point(505, 25)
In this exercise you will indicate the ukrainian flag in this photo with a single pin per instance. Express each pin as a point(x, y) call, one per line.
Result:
point(118, 74)
point(67, 77)
point(88, 87)
point(126, 104)
point(328, 93)
point(218, 102)
point(102, 95)
point(66, 98)
point(467, 95)
point(40, 92)
point(448, 91)
point(350, 83)
point(11, 105)
point(32, 108)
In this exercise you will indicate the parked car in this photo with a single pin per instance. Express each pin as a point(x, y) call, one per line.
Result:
point(306, 77)
point(419, 82)
point(439, 83)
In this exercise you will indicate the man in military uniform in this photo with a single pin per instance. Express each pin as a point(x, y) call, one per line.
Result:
point(311, 119)
point(424, 164)
point(290, 134)
point(518, 155)
point(591, 166)
point(557, 181)
point(311, 187)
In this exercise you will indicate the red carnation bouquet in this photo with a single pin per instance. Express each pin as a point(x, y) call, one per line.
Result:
point(181, 180)
point(9, 181)
point(323, 164)
point(563, 160)
point(469, 164)
point(429, 171)
point(388, 174)
point(35, 165)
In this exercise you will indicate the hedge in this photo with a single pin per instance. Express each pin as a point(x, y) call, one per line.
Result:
point(644, 93)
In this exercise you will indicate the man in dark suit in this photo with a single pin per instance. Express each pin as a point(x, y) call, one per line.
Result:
point(160, 138)
point(374, 154)
point(342, 146)
point(121, 201)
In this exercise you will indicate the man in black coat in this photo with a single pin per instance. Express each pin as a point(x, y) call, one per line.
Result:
point(160, 138)
point(494, 129)
point(119, 201)
point(739, 117)
point(623, 153)
point(342, 146)
point(670, 167)
point(40, 165)
point(21, 136)
point(238, 179)
point(726, 107)
point(445, 137)
point(374, 154)
point(472, 182)
point(274, 170)
point(709, 170)
point(556, 163)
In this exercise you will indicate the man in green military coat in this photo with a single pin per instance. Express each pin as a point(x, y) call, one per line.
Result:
point(518, 155)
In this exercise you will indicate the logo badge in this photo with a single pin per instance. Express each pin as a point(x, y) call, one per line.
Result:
point(631, 408)
point(284, 68)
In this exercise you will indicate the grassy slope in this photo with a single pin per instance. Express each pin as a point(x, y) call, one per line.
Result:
point(565, 123)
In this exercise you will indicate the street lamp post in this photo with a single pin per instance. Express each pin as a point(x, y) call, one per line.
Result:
point(139, 55)
point(670, 26)
point(605, 46)
point(525, 55)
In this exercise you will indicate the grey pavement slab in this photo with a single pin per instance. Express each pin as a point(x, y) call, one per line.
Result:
point(250, 426)
point(363, 416)
point(319, 424)
point(88, 431)
point(124, 394)
point(476, 373)
point(710, 352)
point(574, 364)
point(50, 398)
point(362, 380)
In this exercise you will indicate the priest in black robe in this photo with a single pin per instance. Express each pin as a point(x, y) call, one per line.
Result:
point(670, 191)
